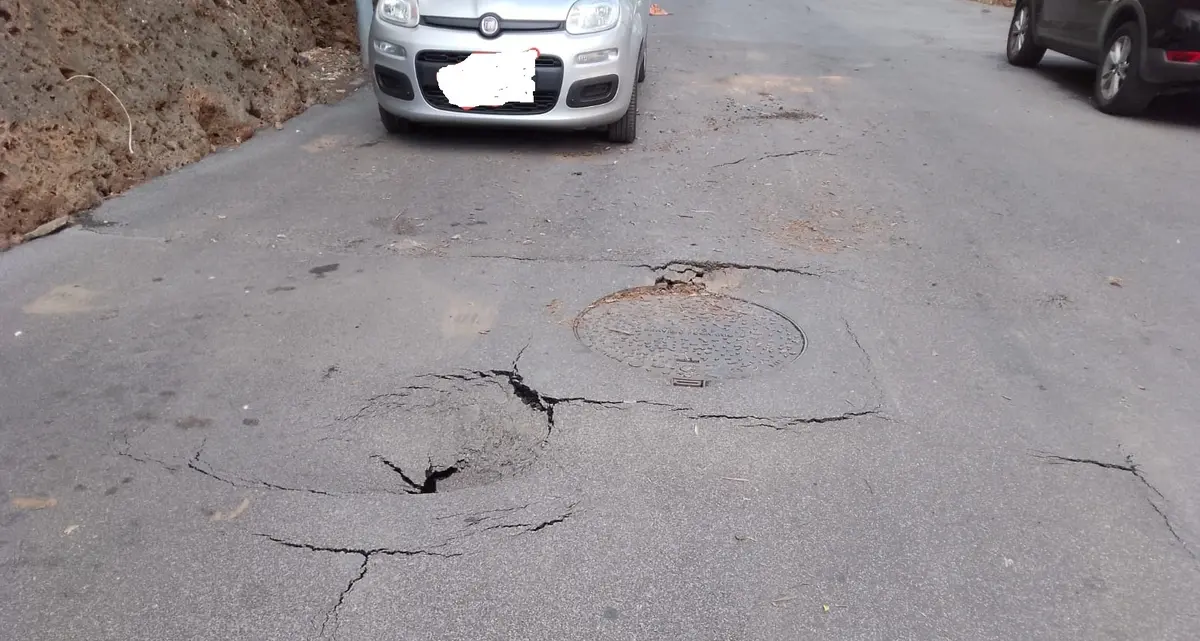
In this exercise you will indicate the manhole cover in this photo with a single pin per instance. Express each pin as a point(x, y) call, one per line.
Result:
point(688, 334)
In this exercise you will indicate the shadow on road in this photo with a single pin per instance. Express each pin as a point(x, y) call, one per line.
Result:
point(1076, 78)
point(536, 141)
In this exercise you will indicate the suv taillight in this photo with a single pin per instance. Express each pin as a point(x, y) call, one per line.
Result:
point(1184, 56)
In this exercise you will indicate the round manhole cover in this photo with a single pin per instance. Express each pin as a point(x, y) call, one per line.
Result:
point(689, 334)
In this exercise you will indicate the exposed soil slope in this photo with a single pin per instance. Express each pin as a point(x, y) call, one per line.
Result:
point(193, 74)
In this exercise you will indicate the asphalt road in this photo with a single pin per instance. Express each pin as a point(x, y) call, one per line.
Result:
point(225, 407)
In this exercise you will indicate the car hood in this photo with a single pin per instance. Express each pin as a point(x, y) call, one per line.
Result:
point(506, 9)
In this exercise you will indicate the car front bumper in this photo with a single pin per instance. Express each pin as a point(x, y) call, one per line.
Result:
point(406, 83)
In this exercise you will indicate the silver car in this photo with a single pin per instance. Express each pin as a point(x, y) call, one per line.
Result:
point(568, 64)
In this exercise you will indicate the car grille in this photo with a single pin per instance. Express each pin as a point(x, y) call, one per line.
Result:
point(455, 57)
point(548, 84)
point(543, 101)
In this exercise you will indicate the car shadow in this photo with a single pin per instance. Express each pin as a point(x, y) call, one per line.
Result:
point(1076, 78)
point(560, 143)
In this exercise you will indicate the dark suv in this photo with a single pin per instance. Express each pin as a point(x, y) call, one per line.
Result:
point(1142, 48)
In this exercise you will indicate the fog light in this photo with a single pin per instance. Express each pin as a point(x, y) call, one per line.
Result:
point(390, 49)
point(593, 57)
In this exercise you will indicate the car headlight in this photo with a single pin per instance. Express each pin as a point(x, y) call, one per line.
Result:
point(402, 13)
point(590, 16)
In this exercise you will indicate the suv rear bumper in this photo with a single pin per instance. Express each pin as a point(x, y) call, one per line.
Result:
point(1160, 71)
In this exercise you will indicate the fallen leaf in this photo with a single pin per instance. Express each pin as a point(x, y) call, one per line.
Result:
point(825, 607)
point(33, 503)
point(234, 513)
point(1114, 281)
point(656, 10)
point(70, 529)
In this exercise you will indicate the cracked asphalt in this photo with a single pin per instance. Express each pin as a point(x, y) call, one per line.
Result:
point(327, 385)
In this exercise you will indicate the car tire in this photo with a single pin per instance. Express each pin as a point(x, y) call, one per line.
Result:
point(641, 75)
point(1119, 89)
point(624, 131)
point(1021, 48)
point(395, 125)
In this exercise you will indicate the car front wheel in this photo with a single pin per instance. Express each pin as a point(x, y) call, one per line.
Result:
point(1022, 50)
point(641, 76)
point(624, 131)
point(1119, 88)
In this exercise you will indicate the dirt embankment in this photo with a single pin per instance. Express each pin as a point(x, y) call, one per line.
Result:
point(194, 75)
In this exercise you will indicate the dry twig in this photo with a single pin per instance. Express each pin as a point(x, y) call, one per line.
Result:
point(114, 95)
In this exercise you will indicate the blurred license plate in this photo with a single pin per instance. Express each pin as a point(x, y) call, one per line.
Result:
point(489, 79)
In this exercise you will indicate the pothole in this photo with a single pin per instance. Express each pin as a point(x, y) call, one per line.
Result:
point(453, 432)
point(678, 329)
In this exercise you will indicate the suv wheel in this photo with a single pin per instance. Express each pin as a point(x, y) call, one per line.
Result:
point(1119, 88)
point(394, 124)
point(624, 131)
point(641, 73)
point(1022, 50)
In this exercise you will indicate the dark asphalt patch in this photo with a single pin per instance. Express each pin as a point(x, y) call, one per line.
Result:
point(320, 270)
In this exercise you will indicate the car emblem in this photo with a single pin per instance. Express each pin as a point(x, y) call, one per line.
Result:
point(489, 25)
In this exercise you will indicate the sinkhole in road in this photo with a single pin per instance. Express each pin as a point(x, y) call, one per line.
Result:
point(688, 334)
point(448, 432)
